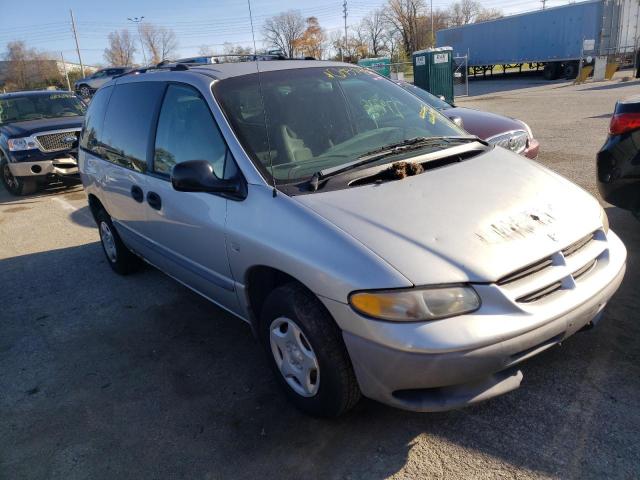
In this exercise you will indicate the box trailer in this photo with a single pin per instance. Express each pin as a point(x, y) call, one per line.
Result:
point(555, 38)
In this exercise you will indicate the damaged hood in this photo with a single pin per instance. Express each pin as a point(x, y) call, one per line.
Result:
point(477, 220)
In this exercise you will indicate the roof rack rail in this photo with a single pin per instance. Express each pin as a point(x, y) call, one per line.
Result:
point(164, 65)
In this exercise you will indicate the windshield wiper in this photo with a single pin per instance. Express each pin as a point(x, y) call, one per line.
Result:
point(386, 151)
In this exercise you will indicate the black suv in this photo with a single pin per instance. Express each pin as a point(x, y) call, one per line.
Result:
point(39, 139)
point(619, 158)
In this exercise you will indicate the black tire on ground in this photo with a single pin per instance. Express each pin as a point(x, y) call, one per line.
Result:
point(119, 257)
point(85, 91)
point(338, 389)
point(551, 71)
point(570, 70)
point(16, 185)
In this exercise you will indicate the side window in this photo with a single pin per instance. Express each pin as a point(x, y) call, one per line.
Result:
point(91, 137)
point(129, 121)
point(187, 131)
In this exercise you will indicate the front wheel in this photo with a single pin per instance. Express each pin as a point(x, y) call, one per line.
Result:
point(16, 185)
point(85, 91)
point(307, 353)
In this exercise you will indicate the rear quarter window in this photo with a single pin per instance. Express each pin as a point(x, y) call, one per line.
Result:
point(129, 121)
point(91, 137)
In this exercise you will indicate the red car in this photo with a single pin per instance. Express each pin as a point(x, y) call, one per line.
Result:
point(496, 129)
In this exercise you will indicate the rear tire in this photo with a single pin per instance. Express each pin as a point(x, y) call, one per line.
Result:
point(551, 71)
point(119, 257)
point(314, 351)
point(570, 70)
point(85, 91)
point(16, 185)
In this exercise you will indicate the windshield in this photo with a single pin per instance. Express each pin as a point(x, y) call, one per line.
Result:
point(34, 107)
point(425, 96)
point(321, 117)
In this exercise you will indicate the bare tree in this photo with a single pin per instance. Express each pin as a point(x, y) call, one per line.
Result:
point(206, 51)
point(374, 27)
point(121, 48)
point(470, 11)
point(284, 31)
point(488, 14)
point(393, 43)
point(160, 42)
point(403, 16)
point(28, 68)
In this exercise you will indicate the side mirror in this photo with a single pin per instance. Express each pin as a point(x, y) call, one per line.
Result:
point(198, 176)
point(457, 120)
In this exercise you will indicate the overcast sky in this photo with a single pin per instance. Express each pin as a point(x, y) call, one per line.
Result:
point(45, 24)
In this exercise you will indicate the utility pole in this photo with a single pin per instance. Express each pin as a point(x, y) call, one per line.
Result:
point(544, 2)
point(75, 36)
point(433, 34)
point(66, 74)
point(137, 21)
point(344, 11)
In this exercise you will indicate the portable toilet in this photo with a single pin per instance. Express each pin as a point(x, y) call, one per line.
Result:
point(433, 71)
point(380, 65)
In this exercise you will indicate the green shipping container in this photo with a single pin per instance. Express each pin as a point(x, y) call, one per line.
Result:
point(380, 65)
point(433, 71)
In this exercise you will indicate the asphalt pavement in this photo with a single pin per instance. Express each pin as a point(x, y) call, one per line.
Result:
point(105, 377)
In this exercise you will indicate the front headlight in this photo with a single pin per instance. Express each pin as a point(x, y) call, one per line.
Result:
point(416, 304)
point(17, 144)
point(605, 220)
point(527, 128)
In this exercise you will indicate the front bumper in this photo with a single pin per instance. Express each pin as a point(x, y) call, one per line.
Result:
point(60, 167)
point(532, 149)
point(459, 361)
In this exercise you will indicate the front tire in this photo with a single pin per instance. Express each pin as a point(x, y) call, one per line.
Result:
point(307, 353)
point(16, 185)
point(119, 257)
point(85, 91)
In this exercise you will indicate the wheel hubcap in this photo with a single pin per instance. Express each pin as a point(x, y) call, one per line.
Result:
point(108, 242)
point(294, 356)
point(9, 179)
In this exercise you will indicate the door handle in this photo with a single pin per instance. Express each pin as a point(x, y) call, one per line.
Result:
point(136, 193)
point(154, 200)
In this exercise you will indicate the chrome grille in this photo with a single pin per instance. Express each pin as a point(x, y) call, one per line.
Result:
point(556, 273)
point(54, 142)
point(516, 141)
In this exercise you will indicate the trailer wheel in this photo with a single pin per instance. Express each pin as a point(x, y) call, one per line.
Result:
point(570, 70)
point(551, 71)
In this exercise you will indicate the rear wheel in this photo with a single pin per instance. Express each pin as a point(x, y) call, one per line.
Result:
point(16, 185)
point(307, 353)
point(570, 70)
point(85, 91)
point(551, 71)
point(120, 258)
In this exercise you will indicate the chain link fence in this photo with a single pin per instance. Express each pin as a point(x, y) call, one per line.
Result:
point(404, 71)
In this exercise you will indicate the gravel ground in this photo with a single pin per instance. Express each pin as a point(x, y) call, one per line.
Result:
point(107, 377)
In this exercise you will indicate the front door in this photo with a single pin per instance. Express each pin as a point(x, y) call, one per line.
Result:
point(126, 139)
point(188, 229)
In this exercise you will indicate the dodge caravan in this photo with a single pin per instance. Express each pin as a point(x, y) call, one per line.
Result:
point(374, 247)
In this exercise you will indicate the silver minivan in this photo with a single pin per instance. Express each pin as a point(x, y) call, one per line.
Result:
point(373, 246)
